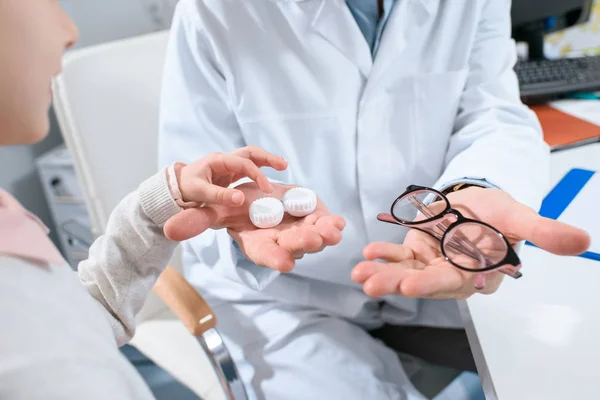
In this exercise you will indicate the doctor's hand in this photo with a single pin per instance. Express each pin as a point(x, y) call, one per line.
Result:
point(418, 269)
point(276, 248)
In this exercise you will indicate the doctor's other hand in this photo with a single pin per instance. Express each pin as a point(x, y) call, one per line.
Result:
point(276, 248)
point(418, 269)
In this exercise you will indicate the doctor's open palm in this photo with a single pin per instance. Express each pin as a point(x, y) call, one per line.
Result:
point(276, 248)
point(418, 269)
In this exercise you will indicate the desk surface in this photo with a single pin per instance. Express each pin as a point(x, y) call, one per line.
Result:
point(539, 337)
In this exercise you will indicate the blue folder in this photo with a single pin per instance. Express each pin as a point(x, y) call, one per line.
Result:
point(563, 194)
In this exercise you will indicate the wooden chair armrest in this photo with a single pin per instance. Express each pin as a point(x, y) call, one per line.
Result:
point(185, 302)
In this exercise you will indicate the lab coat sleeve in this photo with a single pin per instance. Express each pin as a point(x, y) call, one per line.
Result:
point(196, 114)
point(496, 138)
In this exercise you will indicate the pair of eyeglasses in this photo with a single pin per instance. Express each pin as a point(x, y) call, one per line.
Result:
point(468, 244)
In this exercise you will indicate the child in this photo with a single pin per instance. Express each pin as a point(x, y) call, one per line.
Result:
point(57, 341)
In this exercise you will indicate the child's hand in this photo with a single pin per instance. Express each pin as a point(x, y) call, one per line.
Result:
point(206, 181)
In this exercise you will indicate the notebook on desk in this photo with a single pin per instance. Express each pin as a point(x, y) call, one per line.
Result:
point(574, 200)
point(563, 131)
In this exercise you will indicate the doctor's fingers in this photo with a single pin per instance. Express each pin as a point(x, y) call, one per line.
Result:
point(323, 218)
point(232, 165)
point(301, 239)
point(548, 234)
point(380, 279)
point(309, 239)
point(367, 269)
point(261, 157)
point(267, 253)
point(330, 236)
point(440, 282)
point(330, 228)
point(410, 279)
point(313, 238)
point(190, 223)
point(388, 252)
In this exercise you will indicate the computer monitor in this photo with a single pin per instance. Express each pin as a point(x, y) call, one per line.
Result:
point(533, 19)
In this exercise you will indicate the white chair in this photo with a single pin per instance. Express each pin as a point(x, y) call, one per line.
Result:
point(106, 101)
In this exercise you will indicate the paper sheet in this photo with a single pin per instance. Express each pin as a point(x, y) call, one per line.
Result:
point(584, 211)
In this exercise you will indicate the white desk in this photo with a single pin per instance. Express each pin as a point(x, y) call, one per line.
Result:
point(539, 337)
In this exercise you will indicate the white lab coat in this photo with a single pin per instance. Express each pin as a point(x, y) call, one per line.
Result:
point(439, 104)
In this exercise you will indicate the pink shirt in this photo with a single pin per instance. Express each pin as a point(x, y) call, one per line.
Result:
point(24, 235)
point(59, 328)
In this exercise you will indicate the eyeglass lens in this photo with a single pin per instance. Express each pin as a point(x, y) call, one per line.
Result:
point(419, 205)
point(471, 245)
point(474, 246)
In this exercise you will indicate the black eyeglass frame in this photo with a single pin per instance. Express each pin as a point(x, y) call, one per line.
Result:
point(511, 257)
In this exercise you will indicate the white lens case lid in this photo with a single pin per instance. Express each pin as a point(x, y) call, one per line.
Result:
point(266, 212)
point(299, 202)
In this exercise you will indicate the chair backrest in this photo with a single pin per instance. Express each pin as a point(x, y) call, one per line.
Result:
point(106, 102)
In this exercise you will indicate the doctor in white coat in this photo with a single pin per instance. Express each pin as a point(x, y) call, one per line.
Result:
point(362, 103)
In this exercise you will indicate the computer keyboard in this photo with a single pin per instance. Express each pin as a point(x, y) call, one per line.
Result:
point(550, 78)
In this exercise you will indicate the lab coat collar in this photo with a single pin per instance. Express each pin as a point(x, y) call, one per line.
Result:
point(429, 6)
point(404, 22)
point(333, 20)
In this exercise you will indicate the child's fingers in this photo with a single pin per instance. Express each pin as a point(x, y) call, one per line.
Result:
point(213, 194)
point(261, 157)
point(242, 166)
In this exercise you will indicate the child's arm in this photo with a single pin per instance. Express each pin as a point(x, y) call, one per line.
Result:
point(125, 262)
